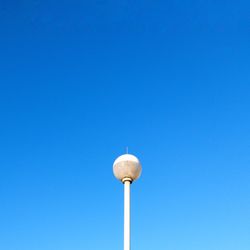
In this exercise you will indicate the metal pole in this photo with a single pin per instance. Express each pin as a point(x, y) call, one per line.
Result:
point(127, 215)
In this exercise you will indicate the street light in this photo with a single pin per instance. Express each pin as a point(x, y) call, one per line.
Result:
point(127, 168)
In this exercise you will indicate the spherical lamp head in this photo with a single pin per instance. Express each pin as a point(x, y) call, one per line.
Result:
point(127, 167)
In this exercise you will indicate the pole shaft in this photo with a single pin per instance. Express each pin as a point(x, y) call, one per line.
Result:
point(127, 215)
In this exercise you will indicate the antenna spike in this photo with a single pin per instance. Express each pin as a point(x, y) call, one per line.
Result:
point(127, 150)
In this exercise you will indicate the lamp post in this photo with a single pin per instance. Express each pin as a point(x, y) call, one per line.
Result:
point(127, 168)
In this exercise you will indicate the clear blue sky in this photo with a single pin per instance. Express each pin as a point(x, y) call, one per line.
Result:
point(81, 80)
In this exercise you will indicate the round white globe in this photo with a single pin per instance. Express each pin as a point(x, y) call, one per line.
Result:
point(127, 167)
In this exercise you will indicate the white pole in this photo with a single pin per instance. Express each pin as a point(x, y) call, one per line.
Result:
point(127, 215)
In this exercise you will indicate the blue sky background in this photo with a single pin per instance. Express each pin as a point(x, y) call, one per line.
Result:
point(81, 80)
